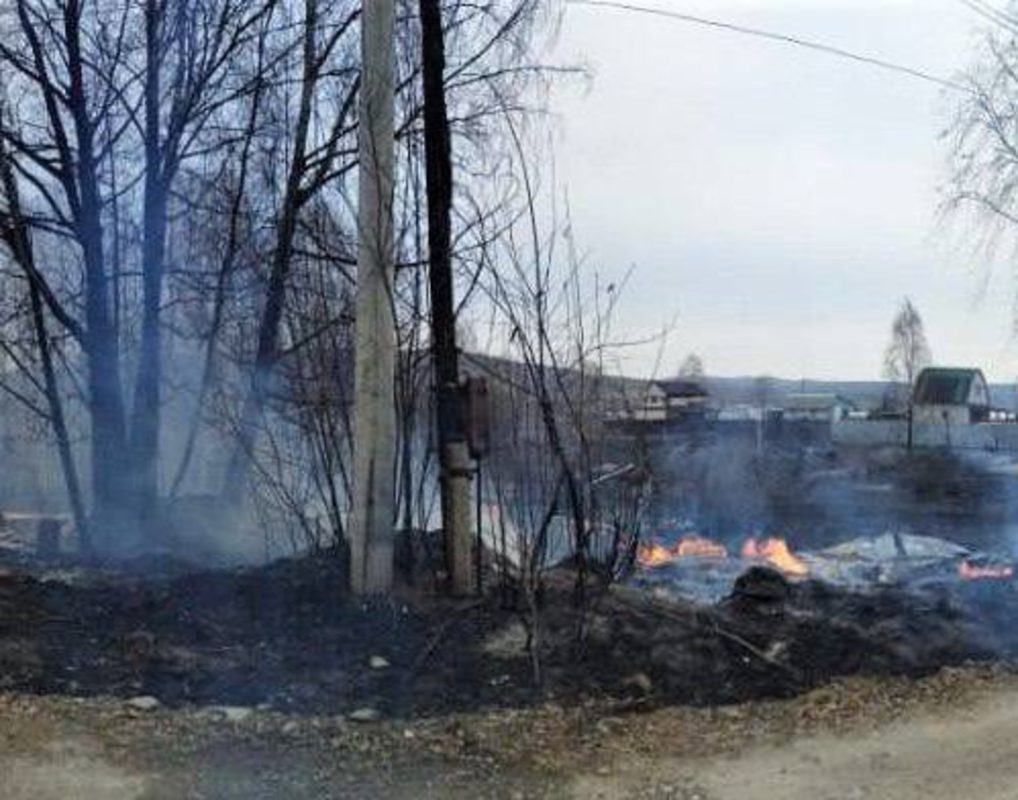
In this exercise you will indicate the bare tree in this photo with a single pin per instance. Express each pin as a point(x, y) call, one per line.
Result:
point(312, 163)
point(983, 144)
point(58, 150)
point(552, 460)
point(692, 368)
point(14, 232)
point(981, 192)
point(188, 80)
point(186, 177)
point(907, 353)
point(107, 117)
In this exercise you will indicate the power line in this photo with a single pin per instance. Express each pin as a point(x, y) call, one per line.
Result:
point(994, 15)
point(777, 37)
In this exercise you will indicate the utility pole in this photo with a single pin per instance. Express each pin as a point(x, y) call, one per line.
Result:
point(454, 456)
point(374, 444)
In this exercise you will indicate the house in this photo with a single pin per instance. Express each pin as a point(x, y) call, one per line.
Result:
point(675, 399)
point(816, 407)
point(950, 396)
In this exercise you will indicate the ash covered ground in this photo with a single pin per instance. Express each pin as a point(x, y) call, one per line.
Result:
point(286, 637)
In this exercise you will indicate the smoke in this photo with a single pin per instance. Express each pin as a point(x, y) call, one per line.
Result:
point(725, 484)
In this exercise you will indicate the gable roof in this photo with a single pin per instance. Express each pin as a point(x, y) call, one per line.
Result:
point(946, 386)
point(680, 387)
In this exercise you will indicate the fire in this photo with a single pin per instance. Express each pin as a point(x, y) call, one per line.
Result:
point(654, 554)
point(776, 552)
point(972, 572)
point(694, 545)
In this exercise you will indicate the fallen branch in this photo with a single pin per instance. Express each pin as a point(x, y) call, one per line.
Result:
point(754, 650)
point(696, 620)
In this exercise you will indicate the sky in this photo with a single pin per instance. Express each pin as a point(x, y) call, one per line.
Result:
point(775, 202)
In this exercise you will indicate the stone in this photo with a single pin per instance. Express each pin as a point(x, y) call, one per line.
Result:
point(365, 714)
point(379, 662)
point(235, 713)
point(639, 680)
point(144, 702)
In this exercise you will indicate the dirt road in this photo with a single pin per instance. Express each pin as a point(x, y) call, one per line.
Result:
point(948, 737)
point(964, 753)
point(973, 755)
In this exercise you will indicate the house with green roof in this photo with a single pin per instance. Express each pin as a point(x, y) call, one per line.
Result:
point(951, 396)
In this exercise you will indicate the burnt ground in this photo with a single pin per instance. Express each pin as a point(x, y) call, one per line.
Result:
point(286, 637)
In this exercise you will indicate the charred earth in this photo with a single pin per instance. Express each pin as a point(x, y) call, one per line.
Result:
point(287, 637)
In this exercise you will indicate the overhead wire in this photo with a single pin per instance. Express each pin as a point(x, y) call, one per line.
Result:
point(783, 38)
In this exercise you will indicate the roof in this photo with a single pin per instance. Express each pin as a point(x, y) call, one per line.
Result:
point(816, 401)
point(946, 386)
point(680, 387)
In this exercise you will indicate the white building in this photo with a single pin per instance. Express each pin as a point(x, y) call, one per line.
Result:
point(675, 398)
point(816, 407)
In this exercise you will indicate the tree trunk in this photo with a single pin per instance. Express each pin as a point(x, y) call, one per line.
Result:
point(145, 417)
point(144, 441)
point(110, 506)
point(110, 464)
point(57, 419)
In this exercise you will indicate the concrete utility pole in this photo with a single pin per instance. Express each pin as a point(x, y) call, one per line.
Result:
point(454, 456)
point(374, 444)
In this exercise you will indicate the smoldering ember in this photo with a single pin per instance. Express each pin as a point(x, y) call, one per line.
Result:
point(347, 449)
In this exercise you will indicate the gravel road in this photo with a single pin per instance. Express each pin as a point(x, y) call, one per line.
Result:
point(941, 738)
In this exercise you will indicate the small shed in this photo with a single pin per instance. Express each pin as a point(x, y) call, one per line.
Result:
point(951, 395)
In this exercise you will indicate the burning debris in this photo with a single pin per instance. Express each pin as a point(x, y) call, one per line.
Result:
point(775, 551)
point(969, 571)
point(772, 550)
point(654, 554)
point(701, 568)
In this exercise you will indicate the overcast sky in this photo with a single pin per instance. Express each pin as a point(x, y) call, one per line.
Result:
point(779, 201)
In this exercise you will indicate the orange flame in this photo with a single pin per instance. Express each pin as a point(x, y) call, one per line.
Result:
point(776, 552)
point(973, 572)
point(700, 546)
point(653, 554)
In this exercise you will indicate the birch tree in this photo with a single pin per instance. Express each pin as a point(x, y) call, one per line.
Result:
point(907, 353)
